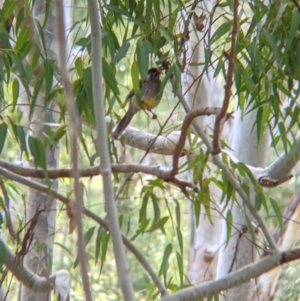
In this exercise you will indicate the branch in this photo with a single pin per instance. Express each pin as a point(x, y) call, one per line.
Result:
point(45, 189)
point(74, 129)
point(229, 83)
point(186, 123)
point(23, 274)
point(59, 281)
point(93, 171)
point(236, 185)
point(235, 278)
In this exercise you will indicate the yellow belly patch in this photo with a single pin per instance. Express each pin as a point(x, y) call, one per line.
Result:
point(150, 103)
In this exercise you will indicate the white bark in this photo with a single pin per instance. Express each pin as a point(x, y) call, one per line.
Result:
point(40, 205)
point(247, 273)
point(240, 250)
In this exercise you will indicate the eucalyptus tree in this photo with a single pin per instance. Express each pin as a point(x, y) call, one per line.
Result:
point(236, 61)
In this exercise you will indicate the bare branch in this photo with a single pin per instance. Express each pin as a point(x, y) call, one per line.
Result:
point(243, 275)
point(93, 171)
point(186, 123)
point(74, 129)
point(229, 82)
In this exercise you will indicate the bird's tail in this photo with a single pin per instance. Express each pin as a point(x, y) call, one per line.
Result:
point(123, 124)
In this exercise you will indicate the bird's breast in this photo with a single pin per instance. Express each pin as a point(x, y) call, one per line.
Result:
point(150, 103)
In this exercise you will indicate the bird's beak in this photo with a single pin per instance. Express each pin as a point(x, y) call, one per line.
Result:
point(160, 69)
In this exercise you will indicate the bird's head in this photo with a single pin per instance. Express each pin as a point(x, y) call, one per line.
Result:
point(154, 72)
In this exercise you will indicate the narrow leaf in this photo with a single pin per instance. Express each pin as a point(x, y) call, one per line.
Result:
point(3, 133)
point(278, 214)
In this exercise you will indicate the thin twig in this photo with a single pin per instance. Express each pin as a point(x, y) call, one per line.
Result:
point(103, 150)
point(74, 129)
point(229, 82)
point(186, 123)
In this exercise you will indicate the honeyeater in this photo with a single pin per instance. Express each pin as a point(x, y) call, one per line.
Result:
point(150, 98)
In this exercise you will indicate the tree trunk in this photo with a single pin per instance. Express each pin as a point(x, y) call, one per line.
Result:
point(41, 208)
point(241, 250)
point(205, 240)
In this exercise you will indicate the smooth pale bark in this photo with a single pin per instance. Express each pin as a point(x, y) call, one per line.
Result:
point(39, 256)
point(205, 239)
point(268, 282)
point(240, 250)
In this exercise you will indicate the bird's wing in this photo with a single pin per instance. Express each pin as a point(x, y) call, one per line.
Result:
point(131, 92)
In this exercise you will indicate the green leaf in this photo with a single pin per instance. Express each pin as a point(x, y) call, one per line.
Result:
point(180, 239)
point(22, 38)
point(36, 90)
point(48, 66)
point(37, 150)
point(197, 211)
point(278, 214)
point(148, 13)
point(243, 168)
point(166, 78)
point(248, 80)
point(21, 136)
point(165, 262)
point(155, 206)
point(3, 133)
point(15, 93)
point(180, 268)
point(19, 19)
point(135, 80)
point(87, 83)
point(121, 53)
point(89, 234)
point(294, 28)
point(157, 12)
point(104, 244)
point(272, 43)
point(98, 243)
point(283, 135)
point(142, 51)
point(87, 237)
point(27, 46)
point(59, 133)
point(221, 30)
point(165, 34)
point(109, 77)
point(229, 222)
point(173, 18)
point(8, 8)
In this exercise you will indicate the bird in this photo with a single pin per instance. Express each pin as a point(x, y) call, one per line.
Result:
point(150, 98)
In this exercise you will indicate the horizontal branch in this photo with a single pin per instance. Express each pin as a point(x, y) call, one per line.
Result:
point(55, 173)
point(240, 276)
